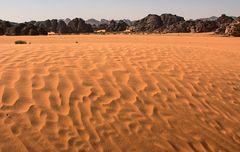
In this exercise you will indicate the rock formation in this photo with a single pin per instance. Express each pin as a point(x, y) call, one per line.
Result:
point(155, 23)
point(116, 26)
point(78, 25)
point(165, 23)
point(151, 23)
point(234, 28)
point(223, 21)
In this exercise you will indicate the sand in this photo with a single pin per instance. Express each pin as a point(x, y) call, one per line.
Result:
point(142, 93)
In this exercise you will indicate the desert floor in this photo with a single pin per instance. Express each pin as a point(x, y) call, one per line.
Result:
point(150, 93)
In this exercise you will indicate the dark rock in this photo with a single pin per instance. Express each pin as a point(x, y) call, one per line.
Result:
point(151, 23)
point(93, 22)
point(205, 26)
point(33, 31)
point(4, 25)
point(155, 23)
point(180, 27)
point(234, 28)
point(222, 22)
point(223, 19)
point(15, 30)
point(169, 19)
point(42, 31)
point(54, 26)
point(78, 25)
point(116, 26)
point(62, 28)
point(1, 31)
point(102, 27)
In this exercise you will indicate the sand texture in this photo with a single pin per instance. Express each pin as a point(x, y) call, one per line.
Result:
point(129, 93)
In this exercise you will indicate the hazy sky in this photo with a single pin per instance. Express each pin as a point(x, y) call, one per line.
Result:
point(25, 10)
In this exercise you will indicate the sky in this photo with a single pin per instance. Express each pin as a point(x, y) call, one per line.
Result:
point(26, 10)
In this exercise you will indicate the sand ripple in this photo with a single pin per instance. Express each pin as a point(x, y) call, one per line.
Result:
point(121, 93)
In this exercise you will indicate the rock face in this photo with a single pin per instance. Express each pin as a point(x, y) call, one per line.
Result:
point(222, 22)
point(109, 26)
point(205, 26)
point(62, 28)
point(223, 19)
point(155, 23)
point(169, 19)
point(168, 23)
point(181, 27)
point(78, 25)
point(116, 26)
point(25, 29)
point(93, 22)
point(234, 28)
point(102, 27)
point(48, 25)
point(4, 25)
point(151, 23)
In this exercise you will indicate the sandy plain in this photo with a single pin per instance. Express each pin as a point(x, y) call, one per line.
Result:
point(149, 93)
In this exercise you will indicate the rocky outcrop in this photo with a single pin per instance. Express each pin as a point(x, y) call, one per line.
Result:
point(205, 26)
point(101, 27)
point(4, 25)
point(93, 22)
point(62, 28)
point(78, 25)
point(234, 28)
point(25, 29)
point(151, 23)
point(223, 21)
point(181, 27)
point(155, 23)
point(116, 26)
point(47, 25)
point(169, 19)
point(165, 23)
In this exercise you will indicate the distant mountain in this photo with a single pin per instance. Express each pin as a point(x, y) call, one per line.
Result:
point(93, 22)
point(104, 21)
point(128, 22)
point(213, 18)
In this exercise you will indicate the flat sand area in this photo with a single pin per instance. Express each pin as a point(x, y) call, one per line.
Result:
point(129, 93)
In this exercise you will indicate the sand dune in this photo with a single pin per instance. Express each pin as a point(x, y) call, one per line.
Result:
point(120, 93)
